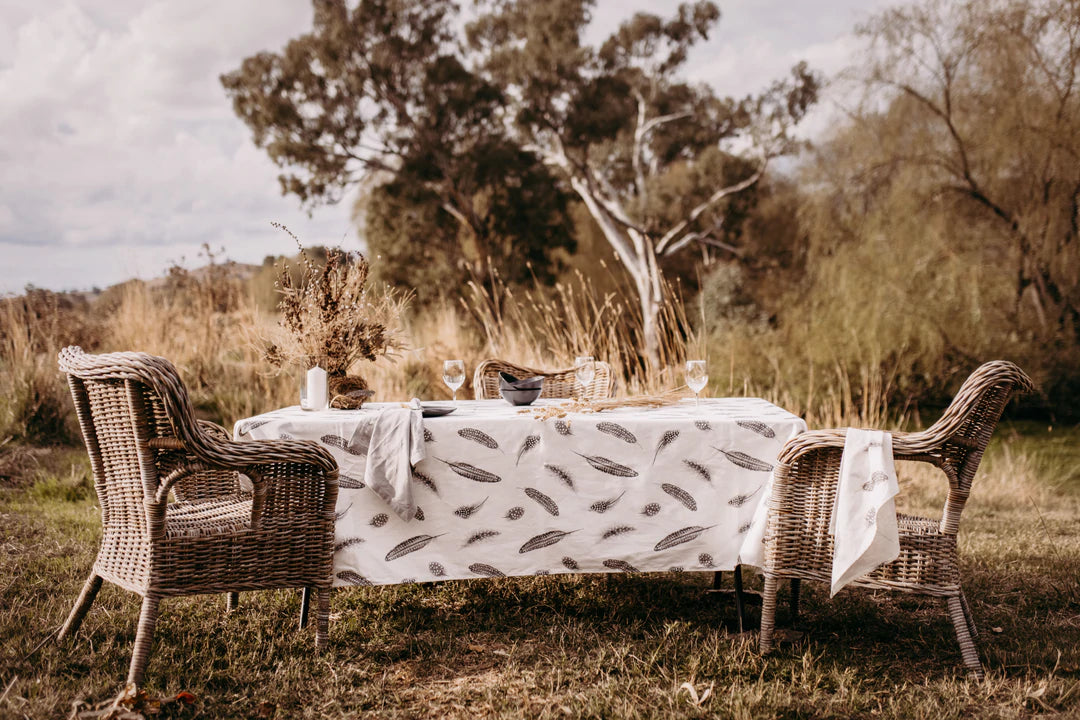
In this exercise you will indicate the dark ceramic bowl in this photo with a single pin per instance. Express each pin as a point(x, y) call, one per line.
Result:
point(509, 382)
point(520, 396)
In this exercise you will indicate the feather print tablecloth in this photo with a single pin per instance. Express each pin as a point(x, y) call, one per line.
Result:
point(502, 493)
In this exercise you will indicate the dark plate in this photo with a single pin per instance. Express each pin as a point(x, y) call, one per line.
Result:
point(438, 410)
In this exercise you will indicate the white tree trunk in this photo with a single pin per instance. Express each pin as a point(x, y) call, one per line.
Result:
point(650, 326)
point(637, 252)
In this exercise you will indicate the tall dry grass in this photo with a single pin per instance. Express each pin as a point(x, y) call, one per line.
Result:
point(215, 349)
point(210, 323)
point(35, 406)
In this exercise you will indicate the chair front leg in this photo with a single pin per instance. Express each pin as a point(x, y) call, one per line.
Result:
point(768, 614)
point(322, 619)
point(967, 614)
point(82, 606)
point(968, 649)
point(232, 601)
point(143, 637)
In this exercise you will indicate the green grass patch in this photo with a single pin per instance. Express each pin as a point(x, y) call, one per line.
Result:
point(564, 646)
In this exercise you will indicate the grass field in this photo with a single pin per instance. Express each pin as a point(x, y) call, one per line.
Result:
point(570, 646)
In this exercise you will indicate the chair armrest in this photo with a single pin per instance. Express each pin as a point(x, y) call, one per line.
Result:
point(252, 453)
point(210, 448)
point(214, 430)
point(917, 446)
point(214, 446)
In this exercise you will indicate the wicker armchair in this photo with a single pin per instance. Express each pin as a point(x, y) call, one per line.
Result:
point(557, 383)
point(797, 540)
point(144, 442)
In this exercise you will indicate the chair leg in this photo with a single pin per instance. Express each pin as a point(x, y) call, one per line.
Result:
point(796, 585)
point(82, 606)
point(968, 650)
point(768, 614)
point(717, 580)
point(143, 637)
point(232, 601)
point(305, 602)
point(970, 618)
point(739, 604)
point(322, 619)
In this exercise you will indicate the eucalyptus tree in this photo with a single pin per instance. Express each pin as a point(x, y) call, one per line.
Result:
point(385, 91)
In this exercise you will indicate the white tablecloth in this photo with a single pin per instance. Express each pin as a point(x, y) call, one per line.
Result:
point(504, 493)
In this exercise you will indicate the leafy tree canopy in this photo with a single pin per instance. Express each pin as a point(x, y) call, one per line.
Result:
point(379, 94)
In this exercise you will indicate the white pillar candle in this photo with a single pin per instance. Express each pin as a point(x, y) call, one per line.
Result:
point(316, 388)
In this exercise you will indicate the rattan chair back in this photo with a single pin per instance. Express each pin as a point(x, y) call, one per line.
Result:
point(798, 538)
point(146, 446)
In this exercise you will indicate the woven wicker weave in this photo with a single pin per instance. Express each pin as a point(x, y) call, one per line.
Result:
point(557, 383)
point(797, 541)
point(144, 442)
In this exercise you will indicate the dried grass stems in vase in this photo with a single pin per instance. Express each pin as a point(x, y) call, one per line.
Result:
point(331, 317)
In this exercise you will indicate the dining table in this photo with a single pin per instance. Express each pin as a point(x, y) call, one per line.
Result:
point(549, 488)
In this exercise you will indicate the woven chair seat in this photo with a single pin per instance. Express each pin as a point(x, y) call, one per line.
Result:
point(914, 525)
point(227, 516)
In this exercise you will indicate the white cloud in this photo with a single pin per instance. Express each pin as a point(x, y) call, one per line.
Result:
point(119, 150)
point(118, 143)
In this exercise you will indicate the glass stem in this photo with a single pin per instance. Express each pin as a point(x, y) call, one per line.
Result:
point(697, 401)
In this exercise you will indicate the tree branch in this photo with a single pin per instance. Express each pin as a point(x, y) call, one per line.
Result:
point(663, 119)
point(674, 232)
point(639, 138)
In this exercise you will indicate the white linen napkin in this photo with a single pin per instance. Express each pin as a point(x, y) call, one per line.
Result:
point(397, 444)
point(864, 527)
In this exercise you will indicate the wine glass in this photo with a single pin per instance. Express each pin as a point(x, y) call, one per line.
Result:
point(453, 374)
point(584, 370)
point(697, 376)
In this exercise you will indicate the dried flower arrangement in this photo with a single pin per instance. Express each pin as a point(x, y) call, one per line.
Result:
point(331, 317)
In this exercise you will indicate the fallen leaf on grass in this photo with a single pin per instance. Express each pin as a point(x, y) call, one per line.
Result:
point(997, 630)
point(477, 648)
point(131, 704)
point(694, 697)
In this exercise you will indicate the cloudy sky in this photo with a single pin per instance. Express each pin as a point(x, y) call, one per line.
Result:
point(120, 154)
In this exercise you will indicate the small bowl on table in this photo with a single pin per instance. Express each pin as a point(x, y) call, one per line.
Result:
point(520, 392)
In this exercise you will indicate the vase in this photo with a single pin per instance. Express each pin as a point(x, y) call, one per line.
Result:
point(349, 392)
